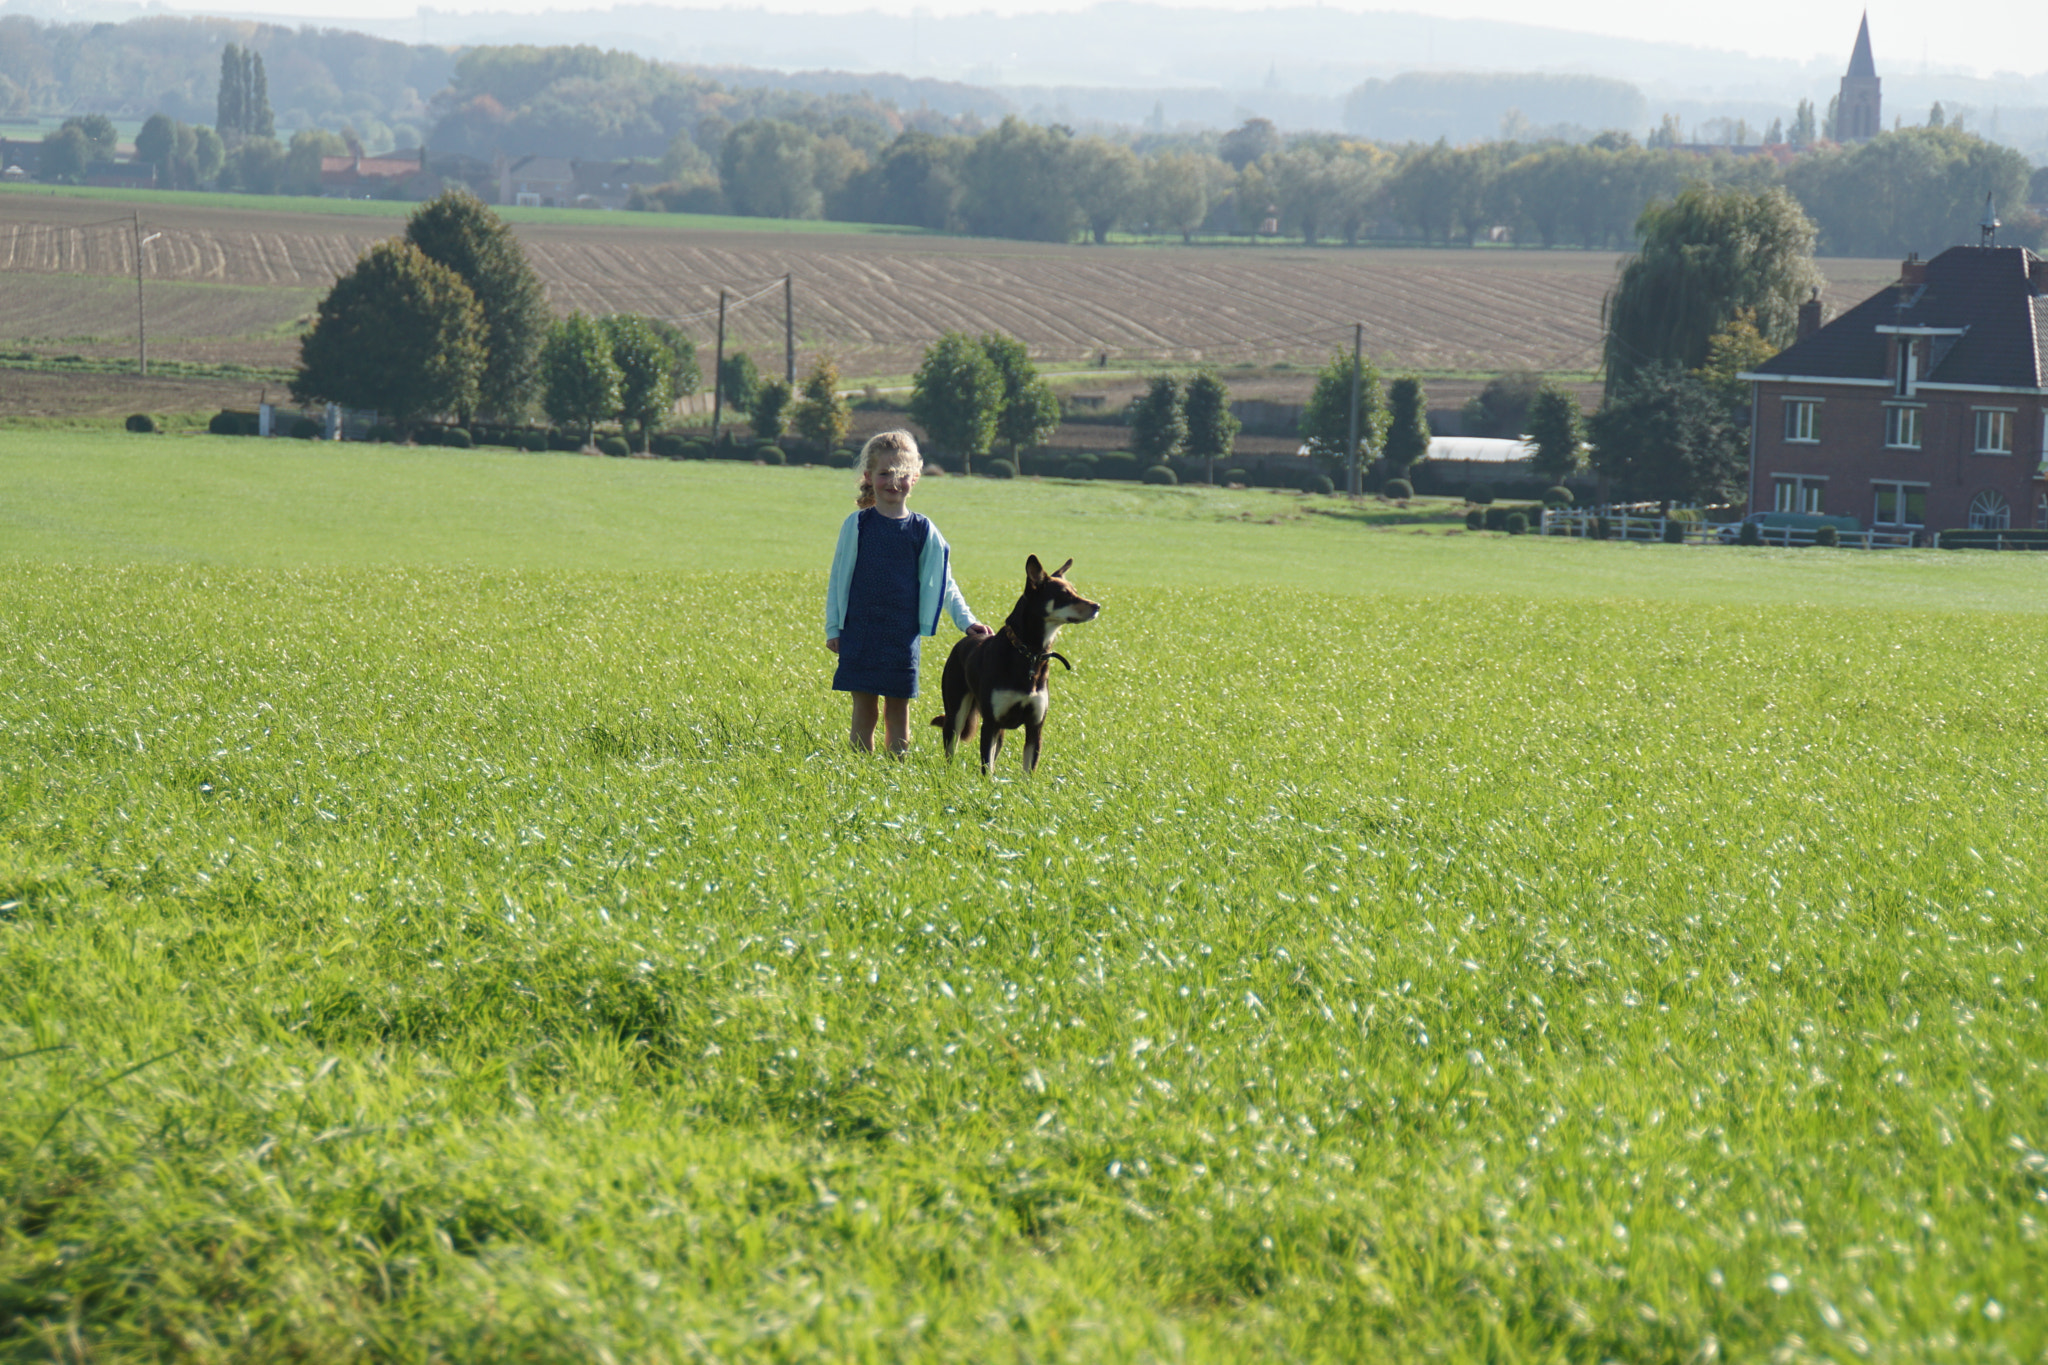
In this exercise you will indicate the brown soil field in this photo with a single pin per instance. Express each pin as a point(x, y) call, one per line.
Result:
point(230, 285)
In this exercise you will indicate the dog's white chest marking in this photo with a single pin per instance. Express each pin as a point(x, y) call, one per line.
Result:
point(1010, 706)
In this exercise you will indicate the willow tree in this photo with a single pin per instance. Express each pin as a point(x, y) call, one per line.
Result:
point(1705, 257)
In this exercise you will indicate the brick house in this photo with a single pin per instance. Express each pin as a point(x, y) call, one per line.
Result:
point(1923, 408)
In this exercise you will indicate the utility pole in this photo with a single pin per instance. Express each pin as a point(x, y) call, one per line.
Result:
point(1357, 367)
point(141, 319)
point(717, 366)
point(789, 332)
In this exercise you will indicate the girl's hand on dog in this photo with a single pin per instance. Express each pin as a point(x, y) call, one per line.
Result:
point(978, 631)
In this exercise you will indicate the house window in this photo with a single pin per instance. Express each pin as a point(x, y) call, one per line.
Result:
point(1902, 428)
point(1900, 504)
point(1802, 419)
point(1796, 492)
point(2041, 512)
point(1909, 370)
point(1989, 511)
point(1994, 431)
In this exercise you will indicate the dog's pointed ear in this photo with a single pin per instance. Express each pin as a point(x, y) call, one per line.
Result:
point(1034, 572)
point(1060, 572)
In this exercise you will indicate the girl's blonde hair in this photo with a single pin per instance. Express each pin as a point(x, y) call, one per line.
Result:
point(883, 449)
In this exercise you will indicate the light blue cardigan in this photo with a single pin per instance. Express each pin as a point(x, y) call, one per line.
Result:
point(935, 586)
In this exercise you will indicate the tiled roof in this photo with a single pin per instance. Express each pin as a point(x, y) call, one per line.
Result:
point(1986, 292)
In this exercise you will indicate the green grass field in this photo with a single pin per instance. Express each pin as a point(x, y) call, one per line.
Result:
point(440, 920)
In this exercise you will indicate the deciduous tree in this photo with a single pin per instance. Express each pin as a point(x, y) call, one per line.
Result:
point(1705, 257)
point(1212, 427)
point(1326, 420)
point(1664, 435)
point(957, 397)
point(1557, 430)
point(1407, 424)
point(398, 333)
point(461, 232)
point(1030, 410)
point(769, 415)
point(579, 381)
point(1159, 422)
point(821, 415)
point(646, 369)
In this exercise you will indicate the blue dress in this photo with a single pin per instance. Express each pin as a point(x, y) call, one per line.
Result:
point(878, 645)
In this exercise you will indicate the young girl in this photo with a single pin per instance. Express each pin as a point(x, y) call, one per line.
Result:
point(891, 575)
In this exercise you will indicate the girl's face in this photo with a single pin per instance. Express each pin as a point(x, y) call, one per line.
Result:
point(892, 483)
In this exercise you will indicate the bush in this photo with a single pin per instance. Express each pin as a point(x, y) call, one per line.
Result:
point(455, 438)
point(1475, 520)
point(1826, 537)
point(1602, 530)
point(382, 434)
point(614, 446)
point(998, 469)
point(1160, 475)
point(535, 441)
point(1398, 490)
point(1078, 469)
point(1750, 534)
point(142, 422)
point(1674, 531)
point(1558, 497)
point(1042, 463)
point(562, 440)
point(426, 436)
point(666, 444)
point(1479, 494)
point(1231, 476)
point(842, 459)
point(1118, 464)
point(1517, 523)
point(305, 429)
point(770, 454)
point(1317, 482)
point(229, 423)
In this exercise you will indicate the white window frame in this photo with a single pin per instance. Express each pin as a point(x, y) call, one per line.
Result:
point(1896, 434)
point(1805, 492)
point(1992, 425)
point(1802, 421)
point(1900, 490)
point(2041, 512)
point(1989, 511)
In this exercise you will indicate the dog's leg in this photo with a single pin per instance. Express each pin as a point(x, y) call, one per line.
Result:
point(960, 724)
point(991, 745)
point(1032, 732)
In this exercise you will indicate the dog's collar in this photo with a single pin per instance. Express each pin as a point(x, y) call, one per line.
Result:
point(1036, 656)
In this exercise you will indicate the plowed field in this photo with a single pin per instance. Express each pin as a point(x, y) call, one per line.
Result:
point(872, 302)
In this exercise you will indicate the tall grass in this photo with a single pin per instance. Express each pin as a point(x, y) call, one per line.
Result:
point(468, 955)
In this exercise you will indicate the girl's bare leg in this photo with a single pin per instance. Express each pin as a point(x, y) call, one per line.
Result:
point(866, 706)
point(896, 723)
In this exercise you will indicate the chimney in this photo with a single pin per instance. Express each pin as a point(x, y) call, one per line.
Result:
point(1809, 316)
point(1913, 270)
point(2037, 275)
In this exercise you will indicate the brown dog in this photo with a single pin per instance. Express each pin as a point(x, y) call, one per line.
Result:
point(1001, 678)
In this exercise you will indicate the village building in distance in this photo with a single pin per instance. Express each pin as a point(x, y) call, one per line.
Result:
point(1922, 409)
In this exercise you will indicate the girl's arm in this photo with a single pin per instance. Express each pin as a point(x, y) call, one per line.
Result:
point(956, 604)
point(841, 577)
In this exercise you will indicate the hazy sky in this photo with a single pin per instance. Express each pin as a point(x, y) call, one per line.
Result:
point(1981, 38)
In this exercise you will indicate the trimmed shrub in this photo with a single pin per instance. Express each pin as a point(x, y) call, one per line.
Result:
point(994, 469)
point(1602, 530)
point(1674, 531)
point(1078, 469)
point(1517, 523)
point(305, 429)
point(1826, 537)
point(1475, 520)
point(1317, 482)
point(842, 459)
point(1231, 476)
point(1559, 496)
point(562, 440)
point(1398, 490)
point(535, 441)
point(426, 436)
point(230, 423)
point(1750, 534)
point(666, 444)
point(1479, 494)
point(768, 454)
point(1118, 464)
point(614, 446)
point(141, 422)
point(455, 438)
point(1160, 475)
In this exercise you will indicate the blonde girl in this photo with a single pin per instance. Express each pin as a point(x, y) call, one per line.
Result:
point(891, 577)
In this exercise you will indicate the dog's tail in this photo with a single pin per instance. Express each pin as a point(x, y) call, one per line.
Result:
point(939, 721)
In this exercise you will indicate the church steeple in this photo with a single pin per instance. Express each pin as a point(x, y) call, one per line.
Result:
point(1859, 106)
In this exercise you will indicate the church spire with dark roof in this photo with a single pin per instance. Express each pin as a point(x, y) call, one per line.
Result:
point(1860, 63)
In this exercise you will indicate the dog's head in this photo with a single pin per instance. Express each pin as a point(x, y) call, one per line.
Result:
point(1054, 596)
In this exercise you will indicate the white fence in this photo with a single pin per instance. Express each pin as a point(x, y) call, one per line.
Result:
point(1627, 523)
